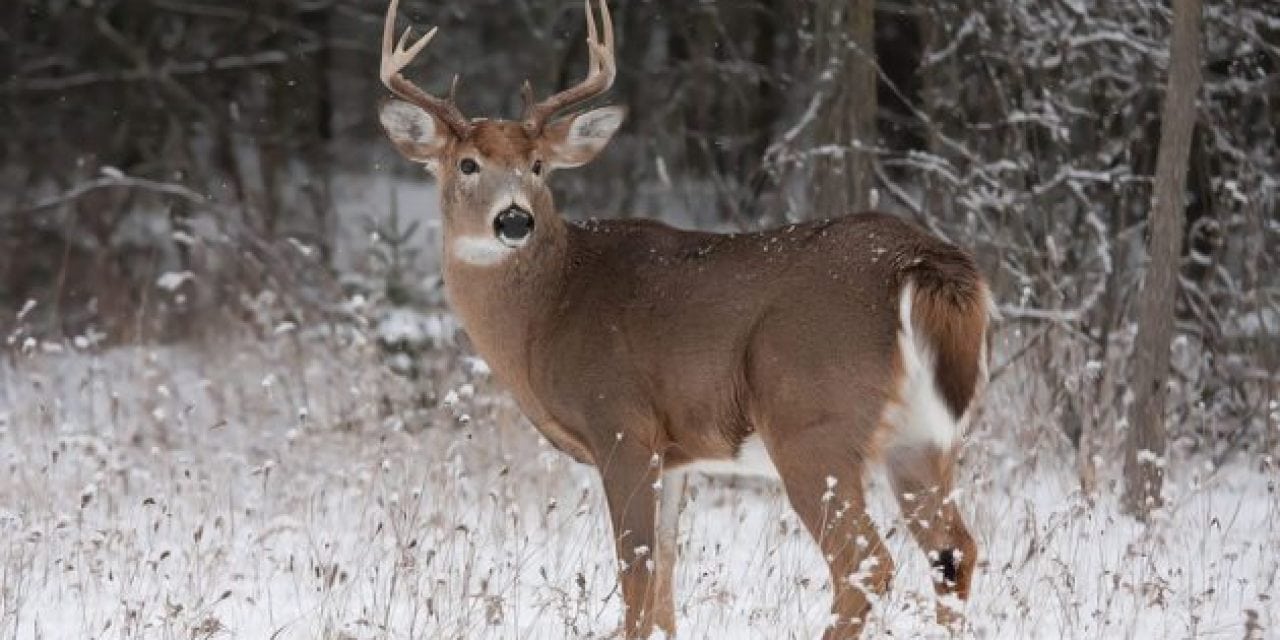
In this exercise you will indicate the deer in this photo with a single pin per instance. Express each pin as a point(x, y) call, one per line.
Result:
point(805, 353)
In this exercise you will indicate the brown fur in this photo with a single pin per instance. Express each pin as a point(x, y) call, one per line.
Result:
point(950, 309)
point(689, 342)
point(640, 349)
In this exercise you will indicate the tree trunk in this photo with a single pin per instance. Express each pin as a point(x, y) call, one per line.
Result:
point(843, 178)
point(318, 143)
point(1145, 450)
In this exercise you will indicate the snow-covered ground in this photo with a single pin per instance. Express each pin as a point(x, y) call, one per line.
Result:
point(278, 490)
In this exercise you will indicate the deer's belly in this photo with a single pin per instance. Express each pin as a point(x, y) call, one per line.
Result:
point(566, 441)
point(752, 460)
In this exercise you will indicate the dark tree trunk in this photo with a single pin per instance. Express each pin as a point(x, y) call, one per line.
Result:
point(843, 176)
point(1146, 447)
point(318, 144)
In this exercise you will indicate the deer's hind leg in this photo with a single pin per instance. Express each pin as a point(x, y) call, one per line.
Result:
point(823, 478)
point(922, 483)
point(671, 503)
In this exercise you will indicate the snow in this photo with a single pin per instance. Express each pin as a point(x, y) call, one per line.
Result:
point(1259, 323)
point(166, 492)
point(173, 280)
point(408, 329)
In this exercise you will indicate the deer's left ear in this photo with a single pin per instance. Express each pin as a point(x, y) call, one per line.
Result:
point(575, 141)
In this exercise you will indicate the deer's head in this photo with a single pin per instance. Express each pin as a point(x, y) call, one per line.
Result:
point(493, 174)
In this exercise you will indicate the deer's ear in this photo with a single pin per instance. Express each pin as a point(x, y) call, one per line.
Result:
point(416, 133)
point(574, 141)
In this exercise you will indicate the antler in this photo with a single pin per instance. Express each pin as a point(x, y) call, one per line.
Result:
point(601, 70)
point(395, 57)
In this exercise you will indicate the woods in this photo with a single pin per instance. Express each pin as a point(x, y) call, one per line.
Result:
point(229, 150)
point(263, 377)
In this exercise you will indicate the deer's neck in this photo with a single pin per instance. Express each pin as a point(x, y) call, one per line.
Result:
point(504, 306)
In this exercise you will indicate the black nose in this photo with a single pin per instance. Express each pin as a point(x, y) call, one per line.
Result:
point(513, 225)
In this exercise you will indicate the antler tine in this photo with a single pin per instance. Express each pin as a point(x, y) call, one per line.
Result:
point(396, 56)
point(593, 60)
point(608, 30)
point(601, 70)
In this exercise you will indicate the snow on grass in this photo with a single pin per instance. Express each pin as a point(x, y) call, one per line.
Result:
point(272, 490)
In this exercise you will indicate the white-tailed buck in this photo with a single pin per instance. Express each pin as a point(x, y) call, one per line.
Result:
point(804, 353)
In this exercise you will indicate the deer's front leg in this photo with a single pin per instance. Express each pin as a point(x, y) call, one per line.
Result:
point(631, 486)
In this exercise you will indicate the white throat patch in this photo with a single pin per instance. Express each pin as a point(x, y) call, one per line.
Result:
point(479, 251)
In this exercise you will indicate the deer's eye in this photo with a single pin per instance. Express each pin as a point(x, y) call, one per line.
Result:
point(537, 167)
point(468, 166)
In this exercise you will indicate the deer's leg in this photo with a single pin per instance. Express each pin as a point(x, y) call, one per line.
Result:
point(922, 484)
point(669, 507)
point(631, 488)
point(823, 481)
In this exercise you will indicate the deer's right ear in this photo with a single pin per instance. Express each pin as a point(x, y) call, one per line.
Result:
point(416, 133)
